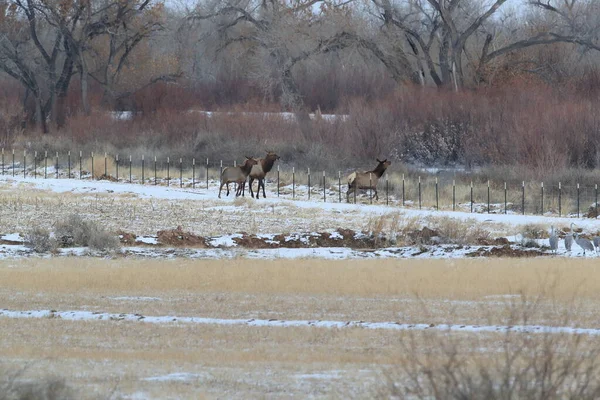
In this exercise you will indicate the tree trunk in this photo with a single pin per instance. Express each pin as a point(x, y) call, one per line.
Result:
point(84, 87)
point(292, 98)
point(40, 116)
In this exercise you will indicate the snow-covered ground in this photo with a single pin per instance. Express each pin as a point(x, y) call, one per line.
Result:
point(510, 224)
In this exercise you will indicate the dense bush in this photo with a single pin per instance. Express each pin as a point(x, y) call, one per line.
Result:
point(534, 126)
point(75, 231)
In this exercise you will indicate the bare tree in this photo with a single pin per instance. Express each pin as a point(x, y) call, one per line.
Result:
point(445, 36)
point(43, 44)
point(278, 35)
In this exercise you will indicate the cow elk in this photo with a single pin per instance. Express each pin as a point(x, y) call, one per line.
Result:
point(260, 170)
point(237, 175)
point(367, 179)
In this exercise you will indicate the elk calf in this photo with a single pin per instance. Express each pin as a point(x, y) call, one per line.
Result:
point(367, 179)
point(237, 175)
point(260, 170)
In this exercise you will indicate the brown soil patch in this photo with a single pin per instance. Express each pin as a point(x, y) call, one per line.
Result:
point(506, 252)
point(344, 238)
point(107, 178)
point(127, 237)
point(178, 237)
point(254, 242)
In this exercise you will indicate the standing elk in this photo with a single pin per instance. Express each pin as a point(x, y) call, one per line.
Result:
point(260, 170)
point(367, 179)
point(237, 175)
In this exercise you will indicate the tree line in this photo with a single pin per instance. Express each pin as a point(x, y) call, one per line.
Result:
point(63, 57)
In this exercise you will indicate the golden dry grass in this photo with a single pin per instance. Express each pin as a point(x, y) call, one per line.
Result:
point(437, 291)
point(241, 361)
point(451, 279)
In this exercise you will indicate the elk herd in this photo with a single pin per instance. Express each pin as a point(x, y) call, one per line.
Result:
point(257, 169)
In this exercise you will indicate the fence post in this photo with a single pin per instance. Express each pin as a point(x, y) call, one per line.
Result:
point(419, 192)
point(370, 189)
point(105, 166)
point(207, 174)
point(24, 163)
point(56, 165)
point(80, 164)
point(471, 196)
point(437, 202)
point(596, 197)
point(130, 180)
point(523, 198)
point(34, 165)
point(355, 190)
point(155, 177)
point(578, 200)
point(403, 198)
point(92, 165)
point(180, 172)
point(3, 161)
point(559, 200)
point(309, 183)
point(453, 195)
point(488, 195)
point(542, 198)
point(13, 162)
point(45, 164)
point(143, 174)
point(193, 173)
point(505, 198)
point(293, 183)
point(169, 171)
point(117, 161)
point(387, 187)
point(340, 185)
point(277, 180)
point(69, 163)
point(324, 195)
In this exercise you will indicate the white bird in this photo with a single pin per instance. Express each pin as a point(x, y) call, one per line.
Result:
point(553, 240)
point(585, 244)
point(569, 239)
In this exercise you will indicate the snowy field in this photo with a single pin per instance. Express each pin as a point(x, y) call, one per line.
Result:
point(275, 227)
point(273, 298)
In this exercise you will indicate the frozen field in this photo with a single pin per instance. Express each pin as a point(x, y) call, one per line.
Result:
point(274, 298)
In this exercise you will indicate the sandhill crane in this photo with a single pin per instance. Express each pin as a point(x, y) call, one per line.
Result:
point(553, 240)
point(585, 244)
point(569, 239)
point(596, 242)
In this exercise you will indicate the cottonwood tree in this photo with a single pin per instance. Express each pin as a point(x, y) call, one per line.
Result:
point(277, 35)
point(452, 41)
point(44, 43)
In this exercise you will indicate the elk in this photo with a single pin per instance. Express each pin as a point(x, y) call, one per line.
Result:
point(367, 179)
point(260, 170)
point(237, 175)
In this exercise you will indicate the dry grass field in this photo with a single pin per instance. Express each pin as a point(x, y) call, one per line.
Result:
point(125, 359)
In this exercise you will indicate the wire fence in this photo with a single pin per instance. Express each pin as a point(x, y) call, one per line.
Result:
point(529, 198)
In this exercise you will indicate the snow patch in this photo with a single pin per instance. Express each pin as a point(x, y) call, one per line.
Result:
point(395, 326)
